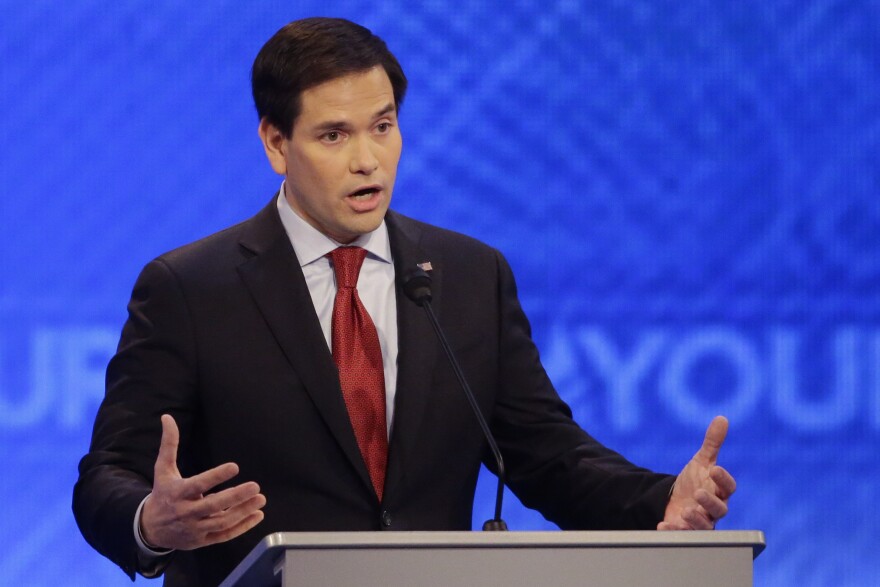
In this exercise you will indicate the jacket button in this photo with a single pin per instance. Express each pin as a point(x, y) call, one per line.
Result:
point(386, 519)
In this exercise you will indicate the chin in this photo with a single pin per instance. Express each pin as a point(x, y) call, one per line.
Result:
point(367, 223)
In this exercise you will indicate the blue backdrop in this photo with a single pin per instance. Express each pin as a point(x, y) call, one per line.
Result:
point(686, 190)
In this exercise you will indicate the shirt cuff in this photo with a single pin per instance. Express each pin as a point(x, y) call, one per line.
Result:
point(148, 557)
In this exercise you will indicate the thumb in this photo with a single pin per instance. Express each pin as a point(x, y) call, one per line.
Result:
point(715, 435)
point(166, 462)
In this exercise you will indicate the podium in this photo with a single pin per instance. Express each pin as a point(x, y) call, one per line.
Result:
point(517, 559)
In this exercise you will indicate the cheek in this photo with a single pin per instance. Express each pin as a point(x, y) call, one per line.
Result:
point(321, 173)
point(391, 155)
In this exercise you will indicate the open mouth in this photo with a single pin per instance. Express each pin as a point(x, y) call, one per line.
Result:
point(364, 193)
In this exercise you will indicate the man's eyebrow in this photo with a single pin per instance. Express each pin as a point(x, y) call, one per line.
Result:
point(386, 110)
point(344, 125)
point(331, 124)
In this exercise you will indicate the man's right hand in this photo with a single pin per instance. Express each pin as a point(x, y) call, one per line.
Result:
point(178, 515)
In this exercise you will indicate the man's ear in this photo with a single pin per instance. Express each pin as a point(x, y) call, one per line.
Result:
point(275, 146)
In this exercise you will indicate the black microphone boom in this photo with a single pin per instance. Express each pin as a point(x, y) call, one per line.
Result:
point(417, 287)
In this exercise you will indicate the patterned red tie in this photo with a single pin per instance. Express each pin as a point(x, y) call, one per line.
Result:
point(358, 357)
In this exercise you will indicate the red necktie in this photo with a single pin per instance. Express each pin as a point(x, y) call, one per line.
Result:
point(358, 357)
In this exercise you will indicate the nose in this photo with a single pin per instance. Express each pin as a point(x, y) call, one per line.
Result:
point(363, 159)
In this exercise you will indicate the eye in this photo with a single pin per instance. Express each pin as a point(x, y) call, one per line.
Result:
point(332, 136)
point(383, 127)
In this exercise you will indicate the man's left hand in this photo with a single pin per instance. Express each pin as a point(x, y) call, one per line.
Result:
point(699, 498)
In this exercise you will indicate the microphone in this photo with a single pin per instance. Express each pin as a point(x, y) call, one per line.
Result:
point(417, 287)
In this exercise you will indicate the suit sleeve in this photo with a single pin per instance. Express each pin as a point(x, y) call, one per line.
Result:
point(152, 373)
point(553, 465)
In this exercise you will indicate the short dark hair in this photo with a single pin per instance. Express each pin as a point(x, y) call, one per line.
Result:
point(309, 52)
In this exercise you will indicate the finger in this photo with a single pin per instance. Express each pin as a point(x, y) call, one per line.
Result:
point(237, 530)
point(223, 500)
point(715, 507)
point(166, 462)
point(697, 519)
point(197, 485)
point(715, 435)
point(672, 526)
point(725, 484)
point(226, 519)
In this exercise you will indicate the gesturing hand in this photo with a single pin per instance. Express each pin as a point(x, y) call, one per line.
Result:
point(702, 489)
point(178, 515)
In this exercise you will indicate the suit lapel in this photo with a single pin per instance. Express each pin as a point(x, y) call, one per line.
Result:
point(417, 351)
point(275, 281)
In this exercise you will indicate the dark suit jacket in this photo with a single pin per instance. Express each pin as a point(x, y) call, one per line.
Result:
point(222, 334)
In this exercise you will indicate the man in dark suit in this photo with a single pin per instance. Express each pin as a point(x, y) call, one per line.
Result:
point(228, 346)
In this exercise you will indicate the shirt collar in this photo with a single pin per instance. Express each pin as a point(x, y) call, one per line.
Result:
point(310, 244)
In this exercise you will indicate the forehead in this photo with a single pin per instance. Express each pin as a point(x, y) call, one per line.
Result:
point(349, 97)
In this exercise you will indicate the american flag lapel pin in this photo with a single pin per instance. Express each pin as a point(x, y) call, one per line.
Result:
point(426, 266)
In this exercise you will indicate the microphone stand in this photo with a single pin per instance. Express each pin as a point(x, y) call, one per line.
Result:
point(417, 287)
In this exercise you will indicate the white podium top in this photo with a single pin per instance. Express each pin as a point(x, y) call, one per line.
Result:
point(262, 560)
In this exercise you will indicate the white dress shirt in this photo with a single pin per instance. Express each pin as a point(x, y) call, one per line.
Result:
point(375, 285)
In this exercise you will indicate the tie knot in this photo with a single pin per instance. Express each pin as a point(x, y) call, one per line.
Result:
point(347, 263)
